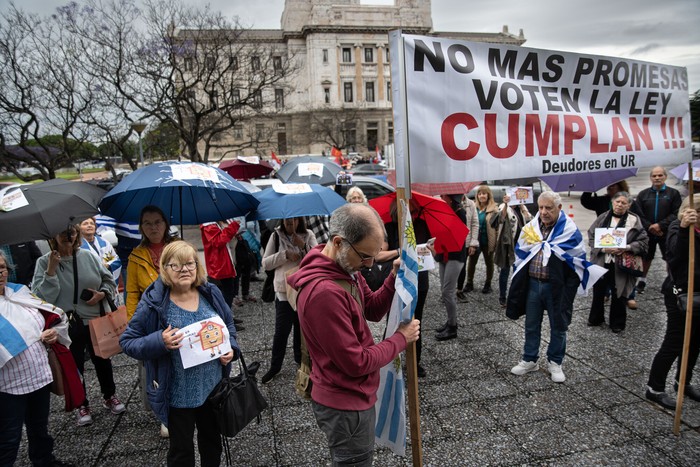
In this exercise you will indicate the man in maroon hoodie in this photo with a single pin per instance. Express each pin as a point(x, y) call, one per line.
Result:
point(346, 360)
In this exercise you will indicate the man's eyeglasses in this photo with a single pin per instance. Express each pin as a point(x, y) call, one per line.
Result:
point(189, 266)
point(363, 257)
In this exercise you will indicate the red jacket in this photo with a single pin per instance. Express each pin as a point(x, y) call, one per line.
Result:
point(216, 252)
point(345, 359)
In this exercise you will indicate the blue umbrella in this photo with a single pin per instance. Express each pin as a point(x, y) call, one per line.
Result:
point(189, 193)
point(302, 200)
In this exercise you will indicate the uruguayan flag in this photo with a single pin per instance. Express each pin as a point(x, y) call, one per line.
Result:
point(17, 330)
point(390, 430)
point(565, 241)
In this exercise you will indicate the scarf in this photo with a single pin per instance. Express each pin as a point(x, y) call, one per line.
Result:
point(565, 241)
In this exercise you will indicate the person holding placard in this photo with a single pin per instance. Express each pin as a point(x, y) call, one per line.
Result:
point(620, 282)
point(181, 297)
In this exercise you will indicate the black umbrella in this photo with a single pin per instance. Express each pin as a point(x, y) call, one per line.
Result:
point(309, 169)
point(49, 208)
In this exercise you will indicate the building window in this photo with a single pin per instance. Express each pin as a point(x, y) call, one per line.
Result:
point(214, 99)
point(189, 63)
point(281, 126)
point(236, 97)
point(238, 131)
point(257, 100)
point(390, 132)
point(369, 91)
point(388, 90)
point(324, 54)
point(259, 130)
point(327, 95)
point(386, 54)
point(347, 55)
point(255, 63)
point(347, 89)
point(277, 63)
point(369, 55)
point(279, 99)
point(233, 62)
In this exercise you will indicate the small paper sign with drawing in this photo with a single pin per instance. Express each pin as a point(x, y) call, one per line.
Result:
point(204, 341)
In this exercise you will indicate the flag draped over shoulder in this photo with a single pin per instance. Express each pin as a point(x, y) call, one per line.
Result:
point(390, 430)
point(565, 241)
point(17, 332)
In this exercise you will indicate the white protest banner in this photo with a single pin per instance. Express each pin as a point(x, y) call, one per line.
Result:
point(477, 111)
point(609, 238)
point(204, 341)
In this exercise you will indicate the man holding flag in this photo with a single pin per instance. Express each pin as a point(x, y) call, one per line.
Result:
point(334, 303)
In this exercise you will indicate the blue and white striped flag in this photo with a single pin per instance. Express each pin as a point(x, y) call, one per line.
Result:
point(390, 430)
point(565, 241)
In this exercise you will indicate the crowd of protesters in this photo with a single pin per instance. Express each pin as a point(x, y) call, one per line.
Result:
point(166, 287)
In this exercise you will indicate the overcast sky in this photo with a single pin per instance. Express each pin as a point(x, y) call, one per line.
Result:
point(662, 31)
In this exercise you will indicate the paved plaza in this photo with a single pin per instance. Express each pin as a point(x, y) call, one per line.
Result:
point(473, 411)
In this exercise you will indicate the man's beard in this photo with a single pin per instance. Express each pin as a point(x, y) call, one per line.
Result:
point(342, 260)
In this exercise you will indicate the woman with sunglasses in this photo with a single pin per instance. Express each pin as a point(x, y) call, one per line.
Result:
point(181, 296)
point(55, 282)
point(287, 246)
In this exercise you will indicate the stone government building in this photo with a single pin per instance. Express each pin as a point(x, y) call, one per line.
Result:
point(340, 93)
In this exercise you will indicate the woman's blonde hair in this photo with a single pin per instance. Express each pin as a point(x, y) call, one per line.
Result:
point(181, 252)
point(489, 201)
point(352, 191)
point(686, 204)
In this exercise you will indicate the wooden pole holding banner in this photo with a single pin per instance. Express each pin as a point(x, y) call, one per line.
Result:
point(403, 191)
point(688, 309)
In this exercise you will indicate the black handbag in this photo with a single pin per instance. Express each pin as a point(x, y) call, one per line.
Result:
point(236, 401)
point(682, 298)
point(268, 288)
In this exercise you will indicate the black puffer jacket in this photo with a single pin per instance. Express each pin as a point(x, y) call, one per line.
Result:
point(677, 254)
point(666, 212)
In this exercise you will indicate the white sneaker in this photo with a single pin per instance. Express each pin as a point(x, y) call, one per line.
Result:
point(83, 416)
point(164, 433)
point(524, 367)
point(556, 372)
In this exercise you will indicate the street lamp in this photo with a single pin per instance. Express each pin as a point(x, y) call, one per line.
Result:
point(138, 127)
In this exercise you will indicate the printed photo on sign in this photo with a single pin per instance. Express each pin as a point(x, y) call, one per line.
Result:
point(425, 258)
point(343, 178)
point(610, 238)
point(520, 195)
point(204, 341)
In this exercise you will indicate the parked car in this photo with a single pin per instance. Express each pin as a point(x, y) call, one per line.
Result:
point(498, 188)
point(369, 169)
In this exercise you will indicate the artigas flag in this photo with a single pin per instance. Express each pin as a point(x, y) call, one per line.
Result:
point(390, 430)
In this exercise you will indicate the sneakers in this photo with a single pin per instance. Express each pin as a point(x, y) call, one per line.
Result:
point(83, 416)
point(502, 302)
point(690, 392)
point(164, 432)
point(114, 405)
point(237, 302)
point(632, 304)
point(468, 288)
point(460, 296)
point(641, 285)
point(524, 368)
point(486, 289)
point(661, 398)
point(556, 372)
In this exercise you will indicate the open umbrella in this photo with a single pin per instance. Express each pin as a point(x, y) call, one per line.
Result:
point(309, 169)
point(189, 193)
point(681, 172)
point(449, 230)
point(295, 200)
point(241, 169)
point(43, 210)
point(587, 181)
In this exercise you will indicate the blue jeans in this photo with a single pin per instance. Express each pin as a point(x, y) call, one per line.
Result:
point(31, 410)
point(539, 298)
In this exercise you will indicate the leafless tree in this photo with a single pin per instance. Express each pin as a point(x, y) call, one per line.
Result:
point(336, 128)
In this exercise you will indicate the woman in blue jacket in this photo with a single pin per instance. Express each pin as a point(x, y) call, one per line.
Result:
point(180, 297)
